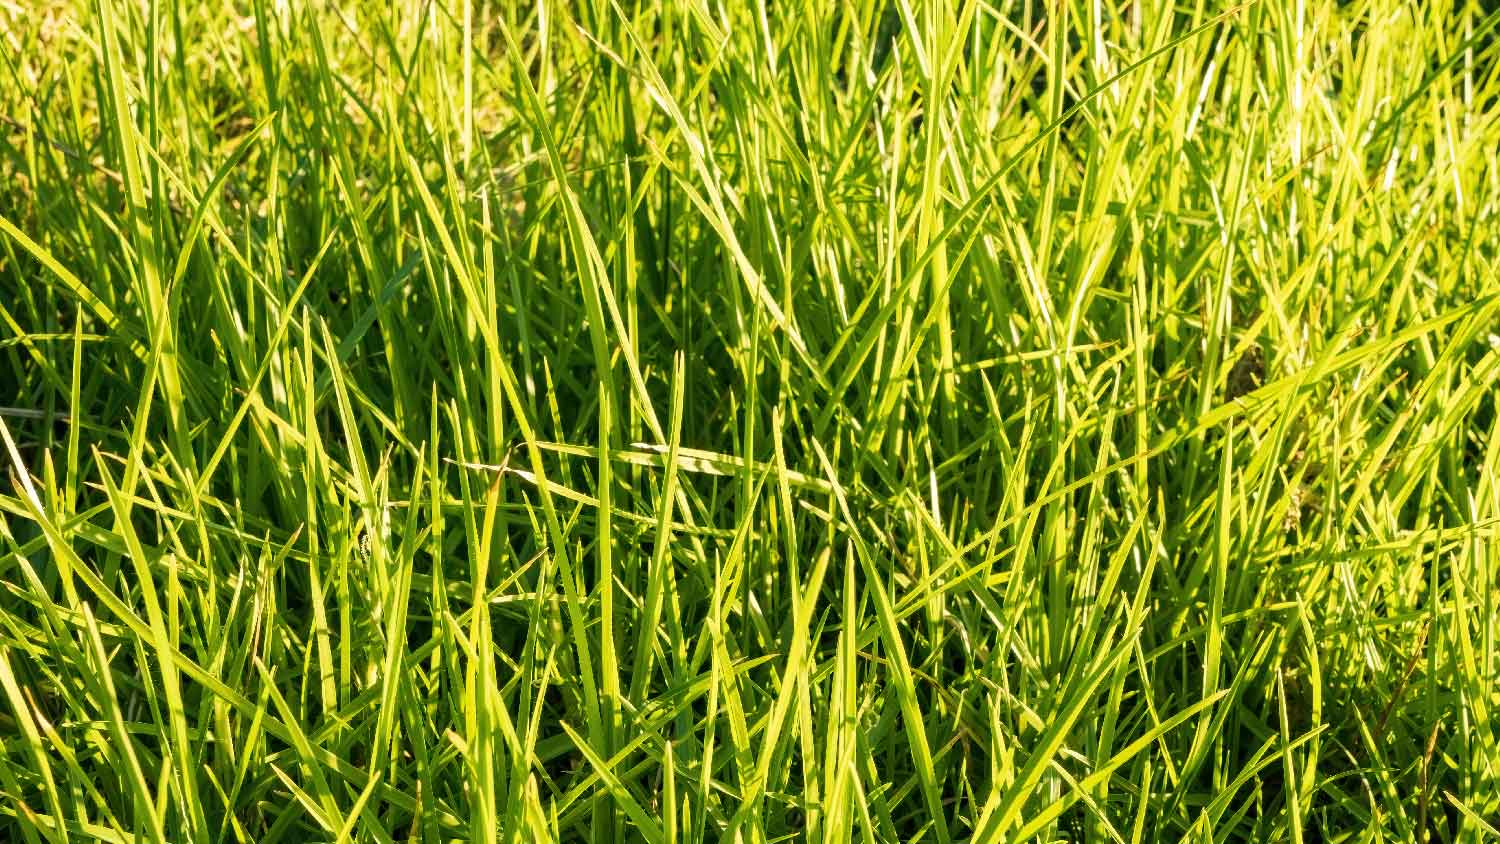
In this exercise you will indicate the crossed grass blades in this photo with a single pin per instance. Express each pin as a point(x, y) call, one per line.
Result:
point(948, 421)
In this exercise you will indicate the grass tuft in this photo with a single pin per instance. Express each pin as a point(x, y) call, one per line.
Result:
point(950, 421)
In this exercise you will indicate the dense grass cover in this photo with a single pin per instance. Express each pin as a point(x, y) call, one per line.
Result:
point(750, 421)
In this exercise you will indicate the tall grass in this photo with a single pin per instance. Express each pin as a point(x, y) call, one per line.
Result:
point(956, 421)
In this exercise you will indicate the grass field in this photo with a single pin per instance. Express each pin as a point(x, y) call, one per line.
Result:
point(749, 421)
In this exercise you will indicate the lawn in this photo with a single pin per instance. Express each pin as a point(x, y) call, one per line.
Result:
point(749, 421)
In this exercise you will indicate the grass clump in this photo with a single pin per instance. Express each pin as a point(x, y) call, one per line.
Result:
point(950, 421)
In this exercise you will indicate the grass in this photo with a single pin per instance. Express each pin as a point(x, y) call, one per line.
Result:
point(948, 421)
